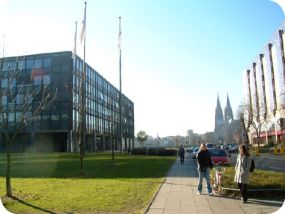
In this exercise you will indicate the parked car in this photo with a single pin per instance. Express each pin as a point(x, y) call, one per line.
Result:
point(194, 153)
point(225, 147)
point(233, 149)
point(219, 156)
point(190, 149)
point(209, 145)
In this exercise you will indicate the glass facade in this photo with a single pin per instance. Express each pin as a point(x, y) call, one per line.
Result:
point(102, 103)
point(62, 75)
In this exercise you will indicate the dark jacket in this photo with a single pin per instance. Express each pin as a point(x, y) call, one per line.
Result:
point(181, 152)
point(204, 159)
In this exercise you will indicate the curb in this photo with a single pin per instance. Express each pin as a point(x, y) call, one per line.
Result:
point(154, 195)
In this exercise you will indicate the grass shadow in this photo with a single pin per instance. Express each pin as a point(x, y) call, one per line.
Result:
point(64, 165)
point(31, 205)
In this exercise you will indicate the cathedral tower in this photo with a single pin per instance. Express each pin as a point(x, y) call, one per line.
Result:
point(219, 119)
point(228, 111)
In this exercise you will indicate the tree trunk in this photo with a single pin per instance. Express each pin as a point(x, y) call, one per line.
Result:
point(113, 153)
point(247, 139)
point(81, 164)
point(81, 157)
point(8, 169)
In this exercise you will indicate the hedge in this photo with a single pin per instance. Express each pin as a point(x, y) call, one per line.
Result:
point(154, 151)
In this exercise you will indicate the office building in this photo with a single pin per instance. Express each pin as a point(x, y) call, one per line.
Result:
point(264, 91)
point(57, 128)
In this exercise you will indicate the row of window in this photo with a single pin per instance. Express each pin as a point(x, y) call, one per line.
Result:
point(37, 80)
point(26, 64)
point(17, 116)
point(103, 127)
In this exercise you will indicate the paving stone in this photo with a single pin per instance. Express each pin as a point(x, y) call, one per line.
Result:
point(178, 195)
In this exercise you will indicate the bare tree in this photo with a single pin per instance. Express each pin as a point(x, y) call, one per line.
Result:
point(245, 116)
point(253, 118)
point(237, 132)
point(208, 137)
point(22, 99)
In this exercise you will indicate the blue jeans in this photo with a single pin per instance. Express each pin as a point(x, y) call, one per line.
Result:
point(205, 173)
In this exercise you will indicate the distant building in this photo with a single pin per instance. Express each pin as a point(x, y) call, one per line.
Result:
point(56, 129)
point(192, 138)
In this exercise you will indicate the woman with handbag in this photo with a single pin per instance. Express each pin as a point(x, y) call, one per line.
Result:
point(242, 171)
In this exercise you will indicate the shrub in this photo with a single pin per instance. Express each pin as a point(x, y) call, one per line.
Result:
point(155, 151)
point(259, 180)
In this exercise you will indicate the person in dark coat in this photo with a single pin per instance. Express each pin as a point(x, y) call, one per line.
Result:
point(204, 166)
point(181, 153)
point(242, 171)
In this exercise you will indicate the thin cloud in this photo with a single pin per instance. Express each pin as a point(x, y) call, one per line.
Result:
point(4, 3)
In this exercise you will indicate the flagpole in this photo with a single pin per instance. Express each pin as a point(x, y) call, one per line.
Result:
point(120, 78)
point(83, 85)
point(73, 129)
point(83, 102)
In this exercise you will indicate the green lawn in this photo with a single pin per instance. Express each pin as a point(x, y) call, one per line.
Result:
point(51, 183)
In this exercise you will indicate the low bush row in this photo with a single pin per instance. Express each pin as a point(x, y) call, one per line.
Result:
point(155, 151)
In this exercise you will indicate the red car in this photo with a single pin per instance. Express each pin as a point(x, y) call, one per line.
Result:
point(219, 156)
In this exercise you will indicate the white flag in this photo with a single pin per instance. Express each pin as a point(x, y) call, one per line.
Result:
point(83, 31)
point(120, 35)
point(75, 40)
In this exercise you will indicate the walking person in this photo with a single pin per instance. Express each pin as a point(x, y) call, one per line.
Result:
point(204, 166)
point(242, 171)
point(181, 153)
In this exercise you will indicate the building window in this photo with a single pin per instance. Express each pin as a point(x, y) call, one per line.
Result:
point(47, 62)
point(5, 66)
point(54, 117)
point(18, 116)
point(4, 100)
point(64, 117)
point(45, 117)
point(4, 83)
point(29, 63)
point(21, 64)
point(11, 117)
point(38, 63)
point(46, 79)
point(37, 80)
point(20, 99)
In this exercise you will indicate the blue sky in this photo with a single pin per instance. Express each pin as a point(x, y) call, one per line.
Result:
point(176, 54)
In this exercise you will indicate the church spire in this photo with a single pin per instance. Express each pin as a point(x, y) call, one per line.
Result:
point(228, 110)
point(219, 119)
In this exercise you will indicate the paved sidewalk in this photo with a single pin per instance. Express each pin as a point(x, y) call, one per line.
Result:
point(178, 194)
